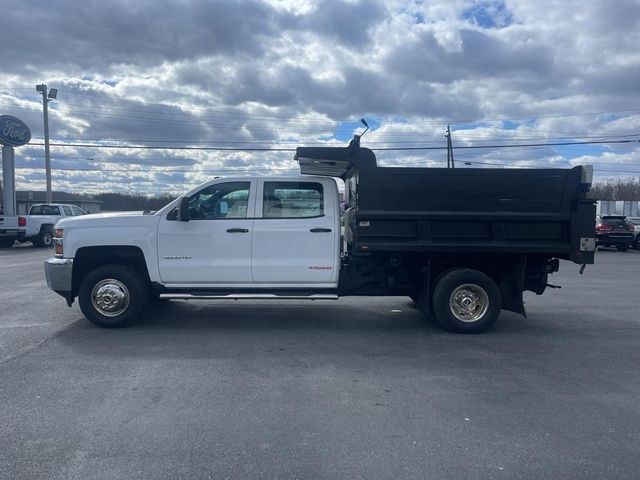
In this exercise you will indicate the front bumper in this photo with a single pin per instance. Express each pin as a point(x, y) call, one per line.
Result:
point(58, 272)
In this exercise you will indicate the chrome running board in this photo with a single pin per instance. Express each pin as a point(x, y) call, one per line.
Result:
point(249, 296)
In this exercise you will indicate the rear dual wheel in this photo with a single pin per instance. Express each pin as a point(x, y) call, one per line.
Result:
point(466, 301)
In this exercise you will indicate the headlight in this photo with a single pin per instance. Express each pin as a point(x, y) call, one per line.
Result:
point(58, 249)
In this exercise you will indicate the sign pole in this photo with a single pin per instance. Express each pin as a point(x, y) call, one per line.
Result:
point(13, 133)
point(8, 180)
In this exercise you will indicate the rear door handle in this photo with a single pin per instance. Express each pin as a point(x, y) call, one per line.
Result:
point(237, 230)
point(320, 230)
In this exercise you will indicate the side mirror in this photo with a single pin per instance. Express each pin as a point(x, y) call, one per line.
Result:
point(183, 209)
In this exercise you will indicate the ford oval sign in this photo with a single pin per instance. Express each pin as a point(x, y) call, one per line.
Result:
point(13, 131)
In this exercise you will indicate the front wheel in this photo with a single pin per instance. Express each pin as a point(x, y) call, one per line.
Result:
point(112, 296)
point(466, 301)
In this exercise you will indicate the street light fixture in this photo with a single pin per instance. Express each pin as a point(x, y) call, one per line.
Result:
point(52, 94)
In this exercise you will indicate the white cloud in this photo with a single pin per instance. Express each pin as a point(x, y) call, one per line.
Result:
point(257, 74)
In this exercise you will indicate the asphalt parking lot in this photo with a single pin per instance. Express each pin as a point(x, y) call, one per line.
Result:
point(355, 388)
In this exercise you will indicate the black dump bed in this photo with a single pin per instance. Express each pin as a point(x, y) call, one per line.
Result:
point(524, 211)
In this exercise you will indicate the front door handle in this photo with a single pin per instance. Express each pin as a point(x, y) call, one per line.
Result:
point(237, 230)
point(320, 230)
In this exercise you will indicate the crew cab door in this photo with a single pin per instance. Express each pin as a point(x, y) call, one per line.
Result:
point(296, 232)
point(214, 246)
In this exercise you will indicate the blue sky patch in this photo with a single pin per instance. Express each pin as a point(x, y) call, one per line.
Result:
point(489, 14)
point(346, 130)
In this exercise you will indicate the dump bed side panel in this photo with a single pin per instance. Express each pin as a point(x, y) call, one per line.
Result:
point(472, 210)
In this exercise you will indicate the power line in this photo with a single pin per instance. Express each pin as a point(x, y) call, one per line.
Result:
point(523, 145)
point(318, 120)
point(258, 149)
point(323, 131)
point(266, 169)
point(163, 170)
point(632, 109)
point(462, 134)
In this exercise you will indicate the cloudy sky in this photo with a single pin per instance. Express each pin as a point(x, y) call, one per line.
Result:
point(213, 79)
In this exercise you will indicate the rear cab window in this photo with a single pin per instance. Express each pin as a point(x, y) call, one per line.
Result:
point(290, 199)
point(44, 210)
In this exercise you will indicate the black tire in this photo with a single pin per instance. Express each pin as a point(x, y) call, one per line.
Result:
point(118, 282)
point(6, 242)
point(468, 286)
point(636, 243)
point(622, 248)
point(44, 238)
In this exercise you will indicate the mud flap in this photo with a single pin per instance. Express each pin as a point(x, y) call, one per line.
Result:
point(423, 300)
point(512, 288)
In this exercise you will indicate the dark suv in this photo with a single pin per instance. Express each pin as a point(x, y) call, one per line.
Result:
point(614, 231)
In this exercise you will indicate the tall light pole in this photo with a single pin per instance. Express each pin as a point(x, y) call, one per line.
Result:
point(47, 96)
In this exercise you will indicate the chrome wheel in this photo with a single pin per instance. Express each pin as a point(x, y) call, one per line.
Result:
point(47, 239)
point(110, 297)
point(469, 302)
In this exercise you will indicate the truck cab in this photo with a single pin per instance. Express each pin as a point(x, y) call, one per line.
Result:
point(250, 232)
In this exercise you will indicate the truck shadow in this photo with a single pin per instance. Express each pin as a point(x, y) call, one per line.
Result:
point(25, 249)
point(213, 330)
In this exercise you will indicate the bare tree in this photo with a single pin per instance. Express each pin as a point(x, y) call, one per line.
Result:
point(616, 189)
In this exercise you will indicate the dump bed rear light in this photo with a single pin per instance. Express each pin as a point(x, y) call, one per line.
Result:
point(22, 222)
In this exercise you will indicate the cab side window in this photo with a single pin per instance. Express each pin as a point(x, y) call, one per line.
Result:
point(292, 200)
point(220, 201)
point(67, 211)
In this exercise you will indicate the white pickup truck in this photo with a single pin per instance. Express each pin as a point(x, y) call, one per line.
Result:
point(462, 243)
point(37, 226)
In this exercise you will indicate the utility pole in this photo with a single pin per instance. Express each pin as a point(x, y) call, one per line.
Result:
point(47, 96)
point(450, 163)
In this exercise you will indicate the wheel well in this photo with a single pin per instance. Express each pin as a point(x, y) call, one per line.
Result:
point(88, 259)
point(45, 226)
point(506, 271)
